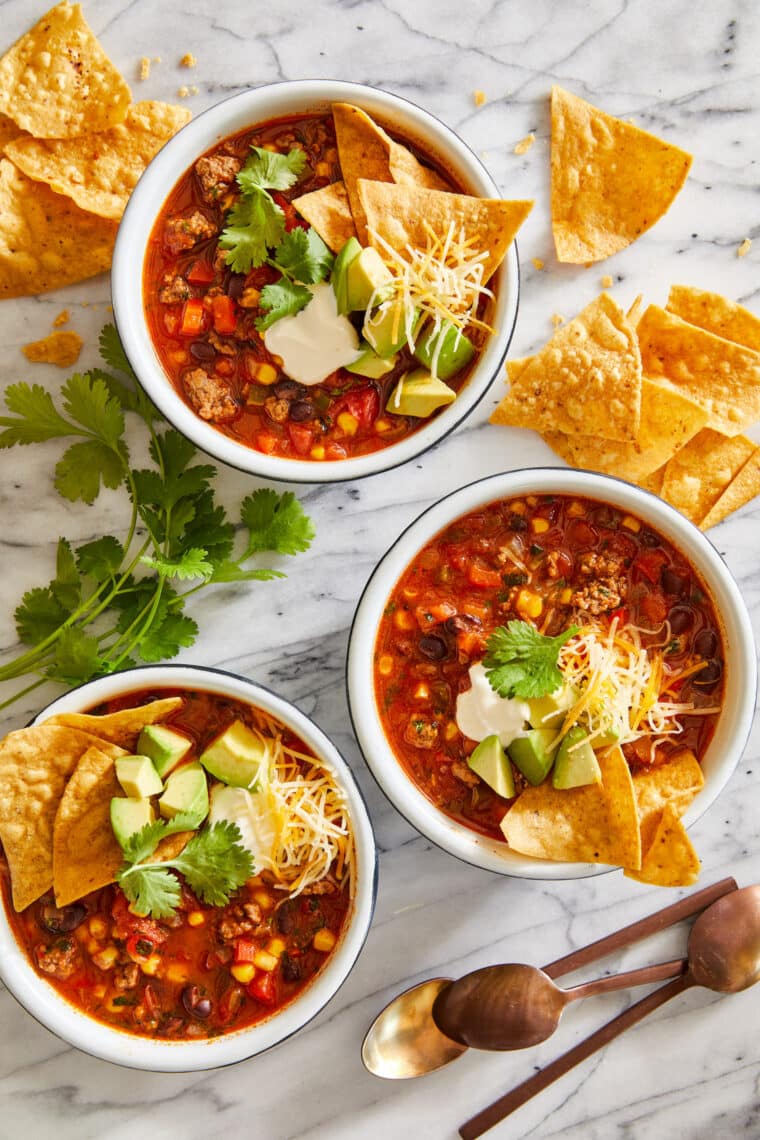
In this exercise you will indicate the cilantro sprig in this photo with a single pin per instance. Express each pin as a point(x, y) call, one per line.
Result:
point(521, 662)
point(115, 600)
point(214, 863)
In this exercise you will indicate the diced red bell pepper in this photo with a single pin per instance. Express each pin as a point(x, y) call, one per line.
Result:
point(200, 273)
point(245, 950)
point(263, 988)
point(621, 615)
point(223, 312)
point(192, 317)
point(301, 437)
point(363, 404)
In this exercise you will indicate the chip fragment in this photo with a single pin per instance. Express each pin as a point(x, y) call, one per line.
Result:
point(122, 727)
point(671, 860)
point(329, 212)
point(697, 476)
point(60, 348)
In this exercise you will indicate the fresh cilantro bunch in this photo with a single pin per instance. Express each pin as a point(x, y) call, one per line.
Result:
point(521, 662)
point(256, 225)
point(214, 864)
point(116, 601)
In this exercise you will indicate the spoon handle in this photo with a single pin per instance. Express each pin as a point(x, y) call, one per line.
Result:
point(638, 977)
point(512, 1100)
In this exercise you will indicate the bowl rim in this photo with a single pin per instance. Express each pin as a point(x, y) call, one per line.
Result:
point(40, 999)
point(150, 194)
point(732, 732)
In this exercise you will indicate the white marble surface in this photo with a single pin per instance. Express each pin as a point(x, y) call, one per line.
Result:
point(692, 1071)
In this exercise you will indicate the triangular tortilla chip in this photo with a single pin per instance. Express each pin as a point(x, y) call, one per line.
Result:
point(122, 727)
point(611, 181)
point(668, 421)
point(674, 782)
point(366, 151)
point(100, 171)
point(404, 216)
point(597, 823)
point(35, 765)
point(328, 211)
point(653, 482)
point(10, 131)
point(742, 489)
point(86, 855)
point(671, 861)
point(45, 240)
point(715, 314)
point(57, 82)
point(697, 476)
point(587, 379)
point(720, 375)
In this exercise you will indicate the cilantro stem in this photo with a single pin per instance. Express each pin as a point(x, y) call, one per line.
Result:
point(22, 692)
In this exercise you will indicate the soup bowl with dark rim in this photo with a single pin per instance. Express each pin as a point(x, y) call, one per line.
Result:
point(304, 982)
point(138, 313)
point(416, 639)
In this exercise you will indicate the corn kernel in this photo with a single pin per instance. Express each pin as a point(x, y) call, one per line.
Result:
point(98, 928)
point(276, 946)
point(249, 298)
point(196, 918)
point(324, 940)
point(630, 523)
point(422, 692)
point(382, 425)
point(451, 730)
point(264, 899)
point(270, 146)
point(150, 965)
point(410, 592)
point(566, 595)
point(518, 507)
point(179, 356)
point(265, 961)
point(575, 510)
point(385, 665)
point(99, 992)
point(403, 620)
point(317, 452)
point(112, 1007)
point(243, 972)
point(105, 959)
point(539, 526)
point(177, 972)
point(532, 500)
point(528, 604)
point(322, 170)
point(263, 373)
point(348, 423)
point(92, 946)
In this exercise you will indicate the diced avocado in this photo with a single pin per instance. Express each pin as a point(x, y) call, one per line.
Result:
point(454, 353)
point(163, 746)
point(369, 364)
point(128, 816)
point(385, 328)
point(186, 791)
point(419, 394)
point(530, 753)
point(611, 735)
point(489, 761)
point(548, 711)
point(576, 762)
point(369, 279)
point(339, 276)
point(236, 756)
point(138, 777)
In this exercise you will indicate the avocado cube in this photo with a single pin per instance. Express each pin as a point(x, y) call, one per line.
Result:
point(531, 755)
point(237, 756)
point(186, 791)
point(368, 280)
point(419, 394)
point(385, 328)
point(610, 735)
point(489, 761)
point(163, 746)
point(549, 711)
point(454, 350)
point(138, 777)
point(128, 816)
point(339, 277)
point(369, 364)
point(576, 764)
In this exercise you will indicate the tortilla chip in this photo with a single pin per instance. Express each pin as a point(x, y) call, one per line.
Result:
point(742, 489)
point(122, 727)
point(515, 368)
point(697, 476)
point(57, 82)
point(404, 216)
point(675, 783)
point(671, 861)
point(722, 376)
point(61, 348)
point(328, 211)
point(35, 764)
point(366, 151)
point(587, 379)
point(597, 823)
point(10, 131)
point(611, 181)
point(100, 171)
point(635, 310)
point(715, 314)
point(86, 854)
point(45, 240)
point(653, 482)
point(668, 421)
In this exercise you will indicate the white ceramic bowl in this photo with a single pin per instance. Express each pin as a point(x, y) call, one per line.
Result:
point(735, 719)
point(110, 1044)
point(227, 118)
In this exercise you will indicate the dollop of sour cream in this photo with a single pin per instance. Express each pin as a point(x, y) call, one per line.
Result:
point(481, 712)
point(316, 341)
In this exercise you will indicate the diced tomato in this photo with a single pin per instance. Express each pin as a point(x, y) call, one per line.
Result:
point(620, 615)
point(301, 437)
point(263, 988)
point(363, 404)
point(200, 273)
point(480, 576)
point(129, 923)
point(81, 982)
point(292, 220)
point(650, 563)
point(193, 317)
point(245, 950)
point(434, 613)
point(139, 946)
point(580, 534)
point(335, 451)
point(266, 442)
point(224, 314)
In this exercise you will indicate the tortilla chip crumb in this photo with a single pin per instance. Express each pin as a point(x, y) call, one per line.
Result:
point(557, 320)
point(479, 97)
point(60, 348)
point(145, 68)
point(156, 58)
point(525, 144)
point(61, 319)
point(607, 281)
point(538, 263)
point(744, 248)
point(188, 60)
point(183, 92)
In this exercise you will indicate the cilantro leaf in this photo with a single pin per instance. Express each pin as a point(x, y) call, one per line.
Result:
point(282, 299)
point(39, 615)
point(254, 224)
point(101, 558)
point(192, 563)
point(153, 890)
point(268, 170)
point(141, 844)
point(210, 528)
point(66, 585)
point(229, 571)
point(87, 400)
point(77, 657)
point(112, 351)
point(275, 522)
point(521, 662)
point(83, 467)
point(36, 416)
point(165, 639)
point(303, 256)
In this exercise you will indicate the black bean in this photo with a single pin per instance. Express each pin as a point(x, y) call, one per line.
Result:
point(460, 622)
point(202, 350)
point(432, 647)
point(289, 390)
point(291, 969)
point(646, 538)
point(301, 410)
point(517, 522)
point(235, 286)
point(61, 920)
point(286, 917)
point(673, 582)
point(681, 618)
point(706, 679)
point(190, 997)
point(202, 1009)
point(706, 643)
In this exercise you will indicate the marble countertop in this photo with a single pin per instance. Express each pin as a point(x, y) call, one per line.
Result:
point(686, 71)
